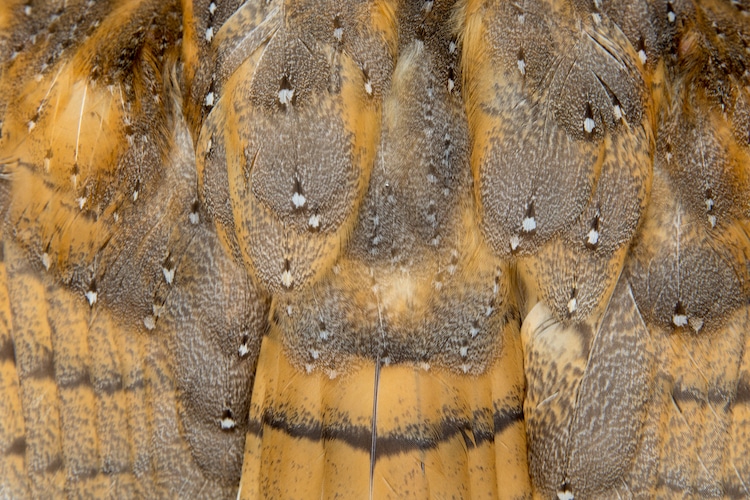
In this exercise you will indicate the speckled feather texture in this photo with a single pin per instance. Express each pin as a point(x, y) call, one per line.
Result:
point(374, 249)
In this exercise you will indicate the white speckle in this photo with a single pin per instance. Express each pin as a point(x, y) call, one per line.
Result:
point(446, 192)
point(495, 288)
point(593, 237)
point(565, 495)
point(431, 179)
point(209, 34)
point(31, 125)
point(91, 297)
point(529, 224)
point(27, 10)
point(38, 77)
point(428, 6)
point(474, 331)
point(435, 241)
point(425, 366)
point(289, 310)
point(451, 269)
point(572, 305)
point(149, 322)
point(336, 269)
point(168, 275)
point(209, 100)
point(642, 56)
point(669, 157)
point(338, 34)
point(298, 200)
point(597, 5)
point(285, 96)
point(680, 320)
point(209, 144)
point(212, 8)
point(438, 285)
point(617, 111)
point(489, 311)
point(671, 17)
point(464, 351)
point(314, 221)
point(194, 218)
point(521, 18)
point(514, 242)
point(116, 217)
point(588, 125)
point(712, 220)
point(157, 310)
point(451, 84)
point(386, 360)
point(452, 47)
point(466, 368)
point(314, 353)
point(227, 424)
point(324, 334)
point(522, 66)
point(696, 324)
point(597, 18)
point(332, 374)
point(81, 202)
point(709, 204)
point(46, 164)
point(309, 368)
point(368, 87)
point(45, 261)
point(243, 350)
point(287, 279)
point(135, 195)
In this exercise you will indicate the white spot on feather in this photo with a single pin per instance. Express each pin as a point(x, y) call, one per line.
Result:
point(593, 237)
point(597, 18)
point(285, 96)
point(451, 84)
point(91, 296)
point(709, 204)
point(528, 224)
point(314, 353)
point(521, 18)
point(209, 34)
point(287, 279)
point(617, 111)
point(243, 350)
point(314, 221)
point(474, 331)
point(452, 47)
point(642, 56)
point(194, 217)
point(31, 125)
point(227, 424)
point(671, 17)
point(27, 10)
point(464, 351)
point(565, 495)
point(168, 275)
point(45, 261)
point(149, 322)
point(338, 34)
point(514, 242)
point(712, 220)
point(298, 200)
point(209, 100)
point(81, 202)
point(135, 195)
point(572, 305)
point(212, 8)
point(522, 66)
point(696, 324)
point(368, 87)
point(427, 7)
point(679, 320)
point(588, 125)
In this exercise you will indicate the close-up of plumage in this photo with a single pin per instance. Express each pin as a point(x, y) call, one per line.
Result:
point(297, 249)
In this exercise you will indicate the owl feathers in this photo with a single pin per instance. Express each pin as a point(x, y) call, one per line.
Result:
point(389, 249)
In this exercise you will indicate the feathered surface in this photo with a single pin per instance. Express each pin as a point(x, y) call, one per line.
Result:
point(384, 249)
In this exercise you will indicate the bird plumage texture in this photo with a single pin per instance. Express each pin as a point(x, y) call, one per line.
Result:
point(385, 249)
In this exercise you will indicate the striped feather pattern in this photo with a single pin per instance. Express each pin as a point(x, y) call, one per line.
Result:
point(374, 249)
